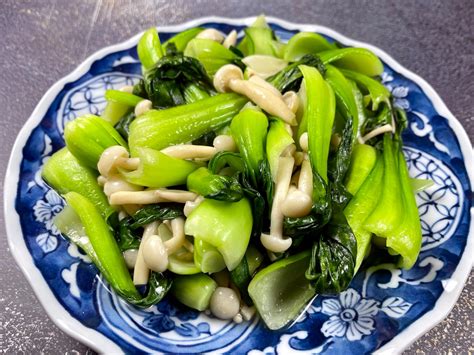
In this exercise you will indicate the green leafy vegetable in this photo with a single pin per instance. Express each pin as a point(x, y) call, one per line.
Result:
point(290, 77)
point(280, 291)
point(149, 48)
point(157, 169)
point(225, 225)
point(194, 291)
point(318, 118)
point(160, 129)
point(207, 258)
point(378, 93)
point(304, 43)
point(278, 139)
point(123, 125)
point(181, 39)
point(167, 81)
point(249, 130)
point(211, 54)
point(65, 174)
point(88, 136)
point(213, 186)
point(122, 97)
point(221, 159)
point(333, 258)
point(156, 212)
point(359, 59)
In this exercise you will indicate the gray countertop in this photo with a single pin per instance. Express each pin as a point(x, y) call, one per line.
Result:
point(42, 41)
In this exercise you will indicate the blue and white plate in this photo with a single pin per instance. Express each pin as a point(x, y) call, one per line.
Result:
point(384, 309)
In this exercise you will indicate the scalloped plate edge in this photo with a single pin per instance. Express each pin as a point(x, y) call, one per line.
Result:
point(99, 342)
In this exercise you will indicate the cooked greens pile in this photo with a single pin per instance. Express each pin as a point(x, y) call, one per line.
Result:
point(239, 174)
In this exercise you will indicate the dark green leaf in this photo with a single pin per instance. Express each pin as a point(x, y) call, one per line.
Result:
point(139, 89)
point(127, 237)
point(339, 161)
point(333, 257)
point(225, 158)
point(206, 139)
point(166, 81)
point(214, 186)
point(290, 77)
point(241, 278)
point(157, 288)
point(156, 212)
point(123, 126)
point(319, 216)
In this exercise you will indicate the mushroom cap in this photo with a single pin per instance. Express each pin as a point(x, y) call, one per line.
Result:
point(107, 161)
point(225, 303)
point(154, 254)
point(225, 75)
point(212, 34)
point(275, 243)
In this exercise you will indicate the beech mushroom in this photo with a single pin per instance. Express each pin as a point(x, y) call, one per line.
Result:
point(141, 272)
point(190, 151)
point(177, 241)
point(114, 157)
point(142, 107)
point(379, 130)
point(230, 40)
point(291, 100)
point(130, 257)
point(230, 78)
point(127, 88)
point(189, 206)
point(224, 142)
point(224, 303)
point(275, 242)
point(304, 141)
point(264, 84)
point(155, 254)
point(212, 34)
point(151, 196)
point(298, 202)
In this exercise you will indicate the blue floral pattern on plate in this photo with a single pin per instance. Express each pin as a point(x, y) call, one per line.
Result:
point(381, 302)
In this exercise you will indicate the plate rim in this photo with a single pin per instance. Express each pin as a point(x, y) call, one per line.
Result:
point(99, 342)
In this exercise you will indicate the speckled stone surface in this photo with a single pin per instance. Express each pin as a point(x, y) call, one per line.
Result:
point(42, 41)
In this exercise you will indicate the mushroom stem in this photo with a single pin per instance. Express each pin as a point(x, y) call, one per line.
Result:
point(230, 40)
point(151, 196)
point(265, 84)
point(305, 181)
point(265, 99)
point(129, 164)
point(380, 130)
point(141, 272)
point(291, 100)
point(173, 244)
point(274, 241)
point(304, 142)
point(190, 151)
point(189, 206)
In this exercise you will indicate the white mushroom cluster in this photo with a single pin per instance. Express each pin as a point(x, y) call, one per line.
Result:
point(155, 248)
point(110, 161)
point(226, 302)
point(201, 152)
point(219, 37)
point(230, 78)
